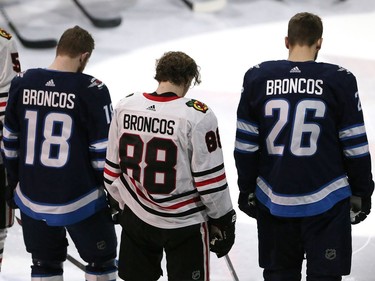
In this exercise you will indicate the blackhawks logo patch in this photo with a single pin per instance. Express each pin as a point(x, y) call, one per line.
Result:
point(197, 105)
point(5, 34)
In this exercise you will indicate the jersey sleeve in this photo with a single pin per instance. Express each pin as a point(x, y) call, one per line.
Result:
point(208, 167)
point(353, 138)
point(98, 121)
point(9, 61)
point(246, 152)
point(112, 169)
point(11, 143)
point(9, 67)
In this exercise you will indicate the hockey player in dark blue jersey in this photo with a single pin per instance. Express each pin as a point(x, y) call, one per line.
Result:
point(302, 154)
point(55, 138)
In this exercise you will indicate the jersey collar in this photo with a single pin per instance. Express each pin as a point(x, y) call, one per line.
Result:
point(167, 96)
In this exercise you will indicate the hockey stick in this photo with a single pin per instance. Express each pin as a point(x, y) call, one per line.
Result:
point(74, 261)
point(98, 22)
point(28, 43)
point(231, 268)
point(207, 6)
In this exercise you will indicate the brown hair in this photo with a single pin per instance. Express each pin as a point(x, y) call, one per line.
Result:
point(177, 68)
point(74, 42)
point(304, 29)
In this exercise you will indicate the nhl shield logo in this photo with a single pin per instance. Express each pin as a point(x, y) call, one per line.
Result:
point(195, 275)
point(330, 254)
point(101, 245)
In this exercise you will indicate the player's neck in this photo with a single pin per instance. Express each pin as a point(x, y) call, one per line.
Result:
point(166, 86)
point(302, 53)
point(64, 64)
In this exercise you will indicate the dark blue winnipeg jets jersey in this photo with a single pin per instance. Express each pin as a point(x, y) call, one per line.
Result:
point(55, 138)
point(301, 143)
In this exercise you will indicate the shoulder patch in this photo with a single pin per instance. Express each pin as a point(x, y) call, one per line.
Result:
point(197, 105)
point(342, 69)
point(96, 83)
point(5, 34)
point(20, 74)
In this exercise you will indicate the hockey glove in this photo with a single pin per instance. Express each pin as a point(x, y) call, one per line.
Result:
point(222, 233)
point(360, 208)
point(114, 207)
point(247, 204)
point(9, 195)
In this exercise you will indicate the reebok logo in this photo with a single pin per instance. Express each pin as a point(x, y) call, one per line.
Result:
point(295, 70)
point(151, 107)
point(50, 83)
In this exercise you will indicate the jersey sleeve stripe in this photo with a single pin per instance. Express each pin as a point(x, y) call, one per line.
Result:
point(247, 127)
point(352, 132)
point(98, 164)
point(9, 135)
point(111, 164)
point(210, 181)
point(214, 190)
point(100, 145)
point(245, 146)
point(357, 151)
point(10, 154)
point(111, 173)
point(210, 171)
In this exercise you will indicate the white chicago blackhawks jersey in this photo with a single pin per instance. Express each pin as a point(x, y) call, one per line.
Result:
point(9, 67)
point(164, 160)
point(9, 63)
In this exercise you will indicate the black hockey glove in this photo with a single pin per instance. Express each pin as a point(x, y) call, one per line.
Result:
point(222, 233)
point(9, 195)
point(360, 208)
point(114, 207)
point(247, 204)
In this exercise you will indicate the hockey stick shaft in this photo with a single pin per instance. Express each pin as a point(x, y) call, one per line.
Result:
point(231, 268)
point(206, 6)
point(76, 262)
point(188, 3)
point(98, 22)
point(28, 43)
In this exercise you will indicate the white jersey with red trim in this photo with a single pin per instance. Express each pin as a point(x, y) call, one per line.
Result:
point(165, 162)
point(9, 67)
point(9, 62)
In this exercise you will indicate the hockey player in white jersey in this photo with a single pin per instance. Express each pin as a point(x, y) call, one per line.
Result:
point(164, 166)
point(9, 67)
